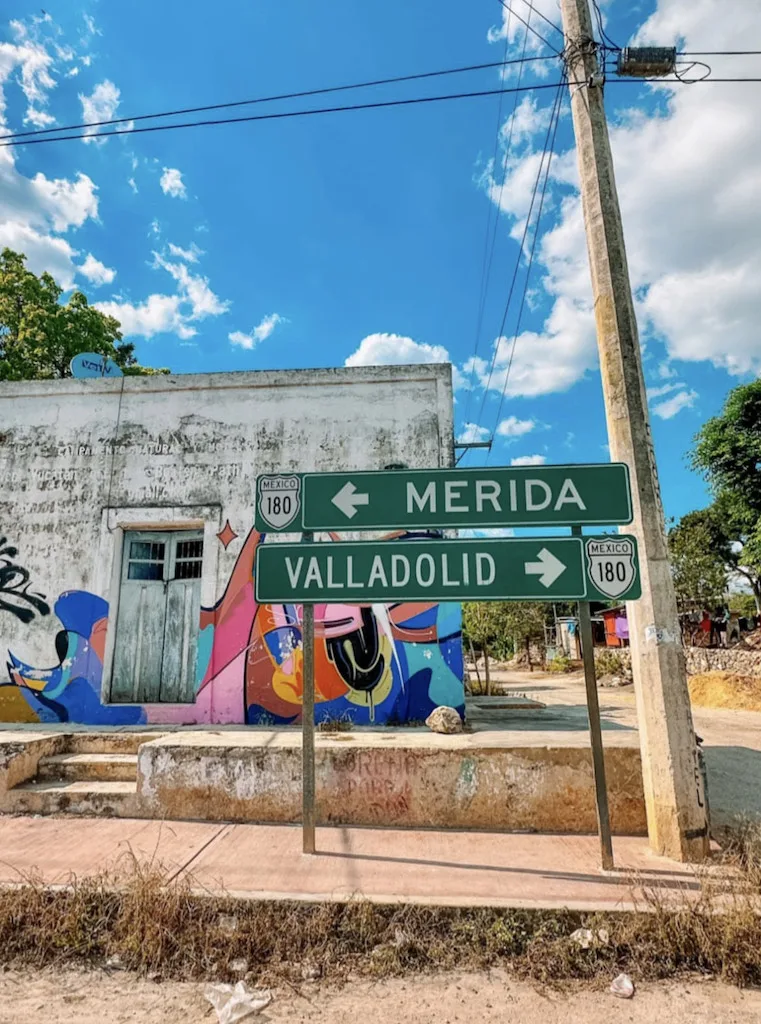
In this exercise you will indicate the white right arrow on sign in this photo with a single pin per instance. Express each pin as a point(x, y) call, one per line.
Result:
point(348, 499)
point(547, 567)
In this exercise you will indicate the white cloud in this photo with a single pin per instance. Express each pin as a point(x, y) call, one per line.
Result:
point(100, 105)
point(671, 406)
point(67, 203)
point(39, 118)
point(661, 390)
point(172, 184)
point(190, 255)
point(96, 272)
point(35, 212)
point(261, 332)
point(513, 427)
point(695, 274)
point(529, 460)
point(514, 30)
point(161, 313)
point(397, 349)
point(473, 432)
point(158, 314)
point(34, 64)
point(43, 251)
point(194, 289)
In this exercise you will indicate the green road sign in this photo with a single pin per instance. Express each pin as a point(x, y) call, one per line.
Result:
point(574, 495)
point(505, 569)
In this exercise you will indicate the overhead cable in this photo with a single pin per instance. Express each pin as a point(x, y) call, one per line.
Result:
point(285, 114)
point(531, 27)
point(556, 117)
point(559, 86)
point(272, 99)
point(492, 223)
point(279, 115)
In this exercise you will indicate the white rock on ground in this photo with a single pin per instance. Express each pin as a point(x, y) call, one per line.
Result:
point(445, 720)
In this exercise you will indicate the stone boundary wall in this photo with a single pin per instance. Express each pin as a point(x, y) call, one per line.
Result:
point(741, 661)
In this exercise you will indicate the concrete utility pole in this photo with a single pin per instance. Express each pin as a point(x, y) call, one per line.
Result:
point(674, 795)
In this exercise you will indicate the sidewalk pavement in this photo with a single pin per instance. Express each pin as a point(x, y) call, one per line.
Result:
point(382, 865)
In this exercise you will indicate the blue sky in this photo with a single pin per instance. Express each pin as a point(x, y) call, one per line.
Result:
point(360, 237)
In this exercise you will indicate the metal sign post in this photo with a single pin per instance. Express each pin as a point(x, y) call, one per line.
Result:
point(307, 726)
point(595, 731)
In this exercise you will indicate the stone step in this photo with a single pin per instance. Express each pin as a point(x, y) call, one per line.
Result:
point(83, 767)
point(107, 799)
point(108, 742)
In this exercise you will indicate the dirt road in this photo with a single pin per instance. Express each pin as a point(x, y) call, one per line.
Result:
point(732, 739)
point(73, 997)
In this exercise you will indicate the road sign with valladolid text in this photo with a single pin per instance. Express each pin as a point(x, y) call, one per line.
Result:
point(573, 495)
point(505, 569)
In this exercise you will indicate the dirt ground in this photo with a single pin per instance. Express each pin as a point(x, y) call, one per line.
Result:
point(76, 997)
point(732, 739)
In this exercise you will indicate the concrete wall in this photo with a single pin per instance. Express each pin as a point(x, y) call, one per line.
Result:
point(400, 780)
point(84, 460)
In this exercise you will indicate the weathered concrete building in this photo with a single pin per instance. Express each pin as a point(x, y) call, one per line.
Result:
point(127, 548)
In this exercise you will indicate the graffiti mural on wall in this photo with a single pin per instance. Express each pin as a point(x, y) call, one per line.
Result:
point(71, 690)
point(376, 663)
point(15, 595)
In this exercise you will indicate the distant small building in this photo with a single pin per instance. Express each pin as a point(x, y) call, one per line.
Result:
point(568, 636)
point(616, 626)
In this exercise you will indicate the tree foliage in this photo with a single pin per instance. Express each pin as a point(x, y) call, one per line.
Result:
point(728, 452)
point(39, 335)
point(502, 628)
point(700, 558)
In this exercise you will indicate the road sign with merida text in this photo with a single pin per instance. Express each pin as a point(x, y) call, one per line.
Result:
point(572, 495)
point(504, 569)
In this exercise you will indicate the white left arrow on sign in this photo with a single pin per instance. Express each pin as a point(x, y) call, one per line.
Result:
point(348, 500)
point(547, 567)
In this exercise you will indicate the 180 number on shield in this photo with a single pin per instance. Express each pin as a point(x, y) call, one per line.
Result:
point(278, 500)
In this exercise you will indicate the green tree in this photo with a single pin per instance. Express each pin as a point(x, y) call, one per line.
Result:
point(728, 452)
point(39, 335)
point(525, 622)
point(483, 627)
point(700, 558)
point(742, 605)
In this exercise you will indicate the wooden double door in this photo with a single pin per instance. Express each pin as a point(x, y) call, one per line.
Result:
point(158, 619)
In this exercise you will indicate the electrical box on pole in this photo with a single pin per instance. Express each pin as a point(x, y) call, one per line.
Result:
point(646, 61)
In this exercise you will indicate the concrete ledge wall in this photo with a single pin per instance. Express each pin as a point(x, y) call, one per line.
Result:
point(539, 788)
point(20, 756)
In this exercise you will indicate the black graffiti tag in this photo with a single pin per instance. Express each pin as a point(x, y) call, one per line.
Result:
point(15, 596)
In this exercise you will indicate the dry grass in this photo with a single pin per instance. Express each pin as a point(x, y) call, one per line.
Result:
point(726, 690)
point(154, 924)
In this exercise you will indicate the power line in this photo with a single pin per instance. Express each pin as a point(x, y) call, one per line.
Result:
point(491, 229)
point(556, 116)
point(11, 140)
point(523, 20)
point(608, 43)
point(545, 19)
point(281, 115)
point(718, 53)
point(672, 81)
point(271, 99)
point(559, 85)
